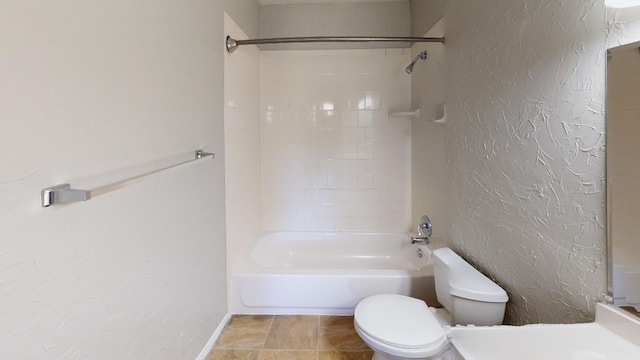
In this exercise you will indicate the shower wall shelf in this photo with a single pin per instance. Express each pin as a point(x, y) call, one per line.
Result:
point(440, 116)
point(442, 111)
point(412, 113)
point(63, 193)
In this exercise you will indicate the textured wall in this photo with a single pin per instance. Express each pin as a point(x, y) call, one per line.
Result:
point(92, 92)
point(339, 19)
point(331, 157)
point(525, 95)
point(243, 190)
point(623, 26)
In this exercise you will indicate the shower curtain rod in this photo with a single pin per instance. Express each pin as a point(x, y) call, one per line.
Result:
point(232, 44)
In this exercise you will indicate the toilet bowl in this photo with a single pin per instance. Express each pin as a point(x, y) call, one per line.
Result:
point(401, 327)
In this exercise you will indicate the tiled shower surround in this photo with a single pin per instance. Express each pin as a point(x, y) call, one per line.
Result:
point(332, 159)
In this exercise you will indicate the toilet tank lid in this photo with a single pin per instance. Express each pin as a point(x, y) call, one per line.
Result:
point(478, 290)
point(467, 282)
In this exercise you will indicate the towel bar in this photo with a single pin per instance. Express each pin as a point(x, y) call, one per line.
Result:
point(63, 193)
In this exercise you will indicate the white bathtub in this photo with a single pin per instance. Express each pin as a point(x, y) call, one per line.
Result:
point(329, 273)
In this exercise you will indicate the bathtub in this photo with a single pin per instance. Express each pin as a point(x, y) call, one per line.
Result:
point(329, 273)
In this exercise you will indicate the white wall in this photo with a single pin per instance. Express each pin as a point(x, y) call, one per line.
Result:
point(246, 14)
point(525, 96)
point(91, 92)
point(242, 148)
point(331, 157)
point(429, 177)
point(622, 26)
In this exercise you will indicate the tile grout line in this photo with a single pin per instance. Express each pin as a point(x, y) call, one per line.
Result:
point(266, 337)
point(318, 341)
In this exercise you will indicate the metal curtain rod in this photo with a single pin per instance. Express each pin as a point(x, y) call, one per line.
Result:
point(63, 193)
point(232, 44)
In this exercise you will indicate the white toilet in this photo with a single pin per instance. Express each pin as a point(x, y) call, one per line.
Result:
point(401, 327)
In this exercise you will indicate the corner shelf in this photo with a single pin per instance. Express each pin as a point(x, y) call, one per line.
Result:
point(412, 113)
point(440, 113)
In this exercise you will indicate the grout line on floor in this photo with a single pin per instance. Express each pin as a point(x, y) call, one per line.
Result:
point(273, 317)
point(318, 341)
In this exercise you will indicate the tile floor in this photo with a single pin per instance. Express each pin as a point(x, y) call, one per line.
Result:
point(290, 337)
point(631, 310)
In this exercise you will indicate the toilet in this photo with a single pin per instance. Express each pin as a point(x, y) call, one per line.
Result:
point(402, 327)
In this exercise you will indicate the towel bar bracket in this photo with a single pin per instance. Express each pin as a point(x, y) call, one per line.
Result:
point(200, 154)
point(63, 193)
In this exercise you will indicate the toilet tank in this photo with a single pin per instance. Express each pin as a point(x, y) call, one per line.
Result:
point(442, 261)
point(457, 280)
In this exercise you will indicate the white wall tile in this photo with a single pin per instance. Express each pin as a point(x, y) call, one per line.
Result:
point(322, 111)
point(243, 148)
point(365, 151)
point(365, 118)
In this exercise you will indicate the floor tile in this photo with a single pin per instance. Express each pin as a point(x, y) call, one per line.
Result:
point(219, 354)
point(289, 355)
point(293, 332)
point(345, 355)
point(338, 333)
point(245, 332)
point(632, 310)
point(251, 321)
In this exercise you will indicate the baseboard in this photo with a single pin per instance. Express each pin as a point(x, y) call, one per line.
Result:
point(214, 338)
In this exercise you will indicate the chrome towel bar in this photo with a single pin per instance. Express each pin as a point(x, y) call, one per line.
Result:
point(63, 193)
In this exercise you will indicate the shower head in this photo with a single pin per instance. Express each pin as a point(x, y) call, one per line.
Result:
point(422, 55)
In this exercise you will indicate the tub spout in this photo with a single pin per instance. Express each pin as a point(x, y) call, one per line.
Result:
point(419, 239)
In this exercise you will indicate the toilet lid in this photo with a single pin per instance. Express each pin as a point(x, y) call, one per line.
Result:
point(400, 321)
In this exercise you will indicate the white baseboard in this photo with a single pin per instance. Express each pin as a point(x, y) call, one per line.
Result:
point(214, 338)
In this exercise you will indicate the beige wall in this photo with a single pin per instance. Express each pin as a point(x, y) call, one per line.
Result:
point(424, 15)
point(92, 92)
point(623, 28)
point(623, 172)
point(337, 19)
point(525, 101)
point(623, 154)
point(242, 148)
point(331, 157)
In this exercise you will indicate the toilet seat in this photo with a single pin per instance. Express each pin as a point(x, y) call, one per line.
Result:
point(400, 325)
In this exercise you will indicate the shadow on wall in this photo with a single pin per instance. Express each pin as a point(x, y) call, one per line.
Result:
point(424, 288)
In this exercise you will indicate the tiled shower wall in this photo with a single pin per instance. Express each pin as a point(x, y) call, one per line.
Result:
point(332, 159)
point(242, 147)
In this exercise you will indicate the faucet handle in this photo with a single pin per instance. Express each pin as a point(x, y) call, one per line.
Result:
point(425, 228)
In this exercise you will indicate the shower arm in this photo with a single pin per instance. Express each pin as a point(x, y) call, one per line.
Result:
point(422, 55)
